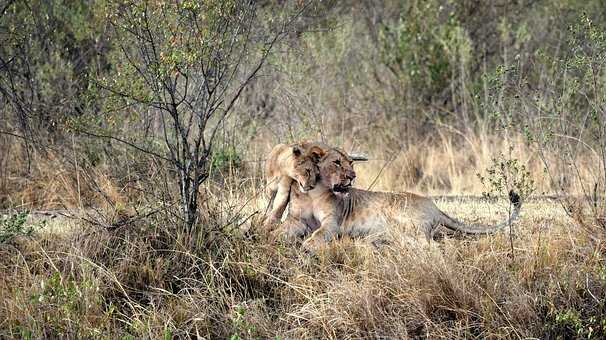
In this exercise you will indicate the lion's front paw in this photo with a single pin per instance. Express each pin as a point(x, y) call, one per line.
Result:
point(311, 245)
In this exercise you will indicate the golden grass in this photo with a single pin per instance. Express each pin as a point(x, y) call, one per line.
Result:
point(141, 281)
point(449, 164)
point(449, 167)
point(151, 279)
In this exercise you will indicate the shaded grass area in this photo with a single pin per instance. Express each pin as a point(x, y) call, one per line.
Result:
point(151, 279)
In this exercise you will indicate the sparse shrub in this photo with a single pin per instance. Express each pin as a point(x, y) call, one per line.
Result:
point(242, 327)
point(69, 298)
point(225, 158)
point(569, 323)
point(571, 123)
point(506, 174)
point(13, 225)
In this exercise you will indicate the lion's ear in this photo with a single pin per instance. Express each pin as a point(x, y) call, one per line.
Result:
point(296, 150)
point(317, 153)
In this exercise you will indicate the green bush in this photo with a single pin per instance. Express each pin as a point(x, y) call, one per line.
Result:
point(226, 158)
point(13, 225)
point(425, 47)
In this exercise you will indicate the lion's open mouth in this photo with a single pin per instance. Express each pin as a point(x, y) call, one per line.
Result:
point(341, 188)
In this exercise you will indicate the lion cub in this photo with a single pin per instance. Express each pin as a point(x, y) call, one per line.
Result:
point(287, 163)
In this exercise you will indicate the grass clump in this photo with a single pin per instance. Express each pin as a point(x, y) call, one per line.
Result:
point(144, 280)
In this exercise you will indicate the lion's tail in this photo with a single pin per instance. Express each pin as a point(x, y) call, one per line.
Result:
point(477, 229)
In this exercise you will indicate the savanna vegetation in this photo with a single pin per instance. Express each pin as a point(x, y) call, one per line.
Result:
point(132, 141)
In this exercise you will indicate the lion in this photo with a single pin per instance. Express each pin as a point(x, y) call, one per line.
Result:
point(286, 165)
point(300, 220)
point(295, 165)
point(333, 208)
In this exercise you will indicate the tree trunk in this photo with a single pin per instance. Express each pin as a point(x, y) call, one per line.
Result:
point(189, 199)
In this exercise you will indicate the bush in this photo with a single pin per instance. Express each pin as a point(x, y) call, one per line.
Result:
point(13, 225)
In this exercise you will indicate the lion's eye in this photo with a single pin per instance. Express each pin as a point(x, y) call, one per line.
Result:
point(337, 162)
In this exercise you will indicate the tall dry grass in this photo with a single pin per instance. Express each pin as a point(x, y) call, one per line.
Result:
point(449, 165)
point(153, 280)
point(128, 270)
point(150, 278)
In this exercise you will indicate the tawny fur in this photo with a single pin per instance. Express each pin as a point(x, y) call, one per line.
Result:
point(286, 165)
point(329, 211)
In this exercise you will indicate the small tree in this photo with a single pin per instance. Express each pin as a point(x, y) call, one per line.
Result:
point(182, 65)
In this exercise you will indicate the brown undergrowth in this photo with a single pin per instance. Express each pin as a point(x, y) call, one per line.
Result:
point(146, 277)
point(152, 279)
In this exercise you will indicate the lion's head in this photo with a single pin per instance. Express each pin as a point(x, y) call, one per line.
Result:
point(336, 171)
point(305, 168)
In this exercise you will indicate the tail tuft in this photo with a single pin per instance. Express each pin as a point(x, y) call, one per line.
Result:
point(514, 198)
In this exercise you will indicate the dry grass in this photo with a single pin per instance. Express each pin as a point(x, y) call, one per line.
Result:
point(151, 279)
point(53, 183)
point(146, 277)
point(449, 164)
point(442, 168)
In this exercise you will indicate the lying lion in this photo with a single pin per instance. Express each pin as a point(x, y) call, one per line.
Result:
point(332, 208)
point(294, 164)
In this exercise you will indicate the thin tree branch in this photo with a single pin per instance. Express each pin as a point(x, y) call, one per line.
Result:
point(125, 142)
